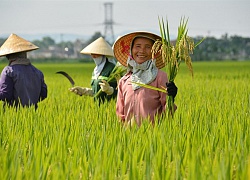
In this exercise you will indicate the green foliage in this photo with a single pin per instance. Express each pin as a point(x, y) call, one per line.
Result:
point(71, 137)
point(212, 49)
point(45, 42)
point(225, 48)
point(95, 36)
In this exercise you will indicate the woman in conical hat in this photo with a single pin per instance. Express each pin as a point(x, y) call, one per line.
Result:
point(101, 52)
point(21, 84)
point(136, 103)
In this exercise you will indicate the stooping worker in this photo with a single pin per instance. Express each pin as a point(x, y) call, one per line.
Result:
point(136, 103)
point(102, 54)
point(21, 83)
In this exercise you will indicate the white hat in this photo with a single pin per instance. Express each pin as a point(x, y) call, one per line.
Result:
point(99, 46)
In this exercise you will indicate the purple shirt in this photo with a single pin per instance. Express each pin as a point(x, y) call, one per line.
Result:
point(143, 102)
point(24, 82)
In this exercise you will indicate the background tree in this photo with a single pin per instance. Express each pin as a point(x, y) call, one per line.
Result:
point(94, 37)
point(211, 49)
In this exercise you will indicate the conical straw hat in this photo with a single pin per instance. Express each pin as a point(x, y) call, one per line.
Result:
point(122, 47)
point(15, 44)
point(99, 46)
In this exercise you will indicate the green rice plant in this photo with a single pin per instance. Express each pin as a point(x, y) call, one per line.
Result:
point(115, 75)
point(72, 137)
point(172, 55)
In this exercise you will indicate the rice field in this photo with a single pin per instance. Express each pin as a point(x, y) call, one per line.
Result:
point(71, 137)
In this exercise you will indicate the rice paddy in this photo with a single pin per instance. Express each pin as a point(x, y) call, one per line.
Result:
point(71, 137)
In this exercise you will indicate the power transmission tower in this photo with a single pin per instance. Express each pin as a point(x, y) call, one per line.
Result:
point(108, 31)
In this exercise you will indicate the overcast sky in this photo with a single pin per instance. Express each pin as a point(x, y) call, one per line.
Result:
point(82, 17)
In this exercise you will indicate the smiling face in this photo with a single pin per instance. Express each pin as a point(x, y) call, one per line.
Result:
point(141, 49)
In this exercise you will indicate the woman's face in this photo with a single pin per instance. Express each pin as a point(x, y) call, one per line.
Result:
point(141, 49)
point(95, 55)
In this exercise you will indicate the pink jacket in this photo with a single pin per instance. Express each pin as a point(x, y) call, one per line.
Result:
point(142, 103)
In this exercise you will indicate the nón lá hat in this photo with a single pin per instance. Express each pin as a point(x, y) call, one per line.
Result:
point(122, 47)
point(99, 46)
point(15, 44)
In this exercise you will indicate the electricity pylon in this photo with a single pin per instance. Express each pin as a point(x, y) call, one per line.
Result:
point(108, 30)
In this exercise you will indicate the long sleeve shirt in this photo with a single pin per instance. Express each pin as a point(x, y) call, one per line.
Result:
point(105, 73)
point(142, 103)
point(22, 84)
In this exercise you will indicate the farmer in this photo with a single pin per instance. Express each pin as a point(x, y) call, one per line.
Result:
point(135, 103)
point(21, 84)
point(102, 53)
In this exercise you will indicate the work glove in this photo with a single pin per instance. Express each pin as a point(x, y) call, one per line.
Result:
point(171, 89)
point(82, 91)
point(106, 87)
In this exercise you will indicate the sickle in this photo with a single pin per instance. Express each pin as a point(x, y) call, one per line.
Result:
point(67, 76)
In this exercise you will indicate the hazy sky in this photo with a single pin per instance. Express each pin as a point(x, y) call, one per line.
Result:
point(82, 17)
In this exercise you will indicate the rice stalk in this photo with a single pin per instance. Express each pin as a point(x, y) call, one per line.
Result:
point(172, 55)
point(115, 75)
point(149, 87)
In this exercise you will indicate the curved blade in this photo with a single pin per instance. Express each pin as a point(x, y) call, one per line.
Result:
point(67, 76)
